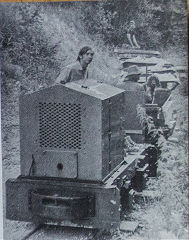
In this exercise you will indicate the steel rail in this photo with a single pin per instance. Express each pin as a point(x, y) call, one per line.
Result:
point(32, 232)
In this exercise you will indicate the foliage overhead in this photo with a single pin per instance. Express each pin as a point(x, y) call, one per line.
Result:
point(160, 23)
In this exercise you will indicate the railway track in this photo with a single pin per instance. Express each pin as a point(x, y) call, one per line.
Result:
point(42, 232)
point(32, 233)
point(50, 232)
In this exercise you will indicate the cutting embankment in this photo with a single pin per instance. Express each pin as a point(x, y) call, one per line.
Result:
point(33, 56)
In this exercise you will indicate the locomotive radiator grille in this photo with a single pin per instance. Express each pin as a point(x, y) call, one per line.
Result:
point(60, 125)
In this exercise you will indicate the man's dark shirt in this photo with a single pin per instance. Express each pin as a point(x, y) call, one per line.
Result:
point(130, 86)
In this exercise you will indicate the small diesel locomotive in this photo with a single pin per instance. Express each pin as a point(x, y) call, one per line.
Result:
point(74, 170)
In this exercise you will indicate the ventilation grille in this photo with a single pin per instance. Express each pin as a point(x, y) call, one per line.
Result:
point(60, 125)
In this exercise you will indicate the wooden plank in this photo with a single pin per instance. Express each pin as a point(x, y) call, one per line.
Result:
point(66, 233)
point(136, 51)
point(133, 131)
point(129, 226)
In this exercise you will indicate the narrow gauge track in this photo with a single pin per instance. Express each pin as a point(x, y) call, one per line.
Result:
point(49, 232)
point(32, 233)
point(64, 233)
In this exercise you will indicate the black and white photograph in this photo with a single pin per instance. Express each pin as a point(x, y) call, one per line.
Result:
point(94, 120)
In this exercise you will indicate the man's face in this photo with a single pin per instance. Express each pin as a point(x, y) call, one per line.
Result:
point(153, 83)
point(88, 56)
point(132, 25)
point(135, 77)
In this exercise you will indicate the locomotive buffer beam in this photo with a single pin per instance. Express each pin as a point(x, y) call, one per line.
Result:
point(63, 203)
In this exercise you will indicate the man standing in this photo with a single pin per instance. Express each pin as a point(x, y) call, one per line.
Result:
point(133, 97)
point(77, 70)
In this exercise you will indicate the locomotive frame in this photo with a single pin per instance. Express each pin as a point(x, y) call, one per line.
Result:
point(50, 190)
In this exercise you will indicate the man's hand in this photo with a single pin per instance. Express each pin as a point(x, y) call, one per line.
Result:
point(63, 82)
point(84, 86)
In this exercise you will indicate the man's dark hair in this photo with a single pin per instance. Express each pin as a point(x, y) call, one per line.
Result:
point(153, 77)
point(83, 51)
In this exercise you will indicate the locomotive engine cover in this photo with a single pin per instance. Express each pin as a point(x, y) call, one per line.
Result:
point(72, 131)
